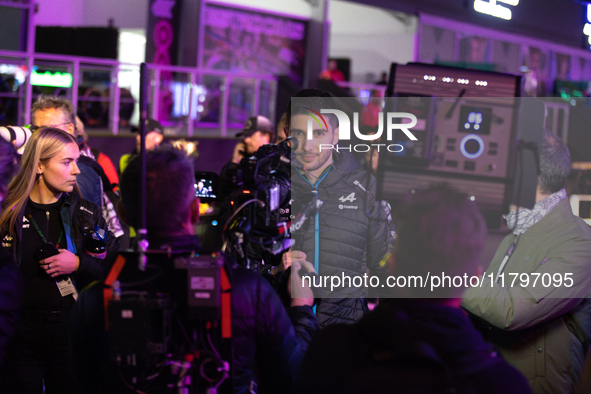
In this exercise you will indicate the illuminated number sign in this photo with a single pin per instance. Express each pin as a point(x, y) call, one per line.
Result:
point(493, 8)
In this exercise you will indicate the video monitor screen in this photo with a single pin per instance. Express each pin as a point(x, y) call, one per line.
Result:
point(205, 185)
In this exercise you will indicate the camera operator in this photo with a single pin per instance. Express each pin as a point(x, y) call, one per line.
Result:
point(266, 337)
point(257, 132)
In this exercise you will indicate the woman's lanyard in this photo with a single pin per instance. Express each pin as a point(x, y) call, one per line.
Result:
point(59, 240)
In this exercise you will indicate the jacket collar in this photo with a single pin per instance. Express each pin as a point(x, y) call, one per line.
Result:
point(343, 164)
point(559, 214)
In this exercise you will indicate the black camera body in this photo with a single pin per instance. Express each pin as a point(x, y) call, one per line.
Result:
point(258, 192)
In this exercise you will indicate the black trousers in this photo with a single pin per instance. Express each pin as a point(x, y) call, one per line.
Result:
point(39, 355)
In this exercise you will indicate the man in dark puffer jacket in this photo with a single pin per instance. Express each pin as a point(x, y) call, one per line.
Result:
point(266, 337)
point(351, 231)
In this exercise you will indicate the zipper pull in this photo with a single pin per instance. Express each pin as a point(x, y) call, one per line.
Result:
point(47, 214)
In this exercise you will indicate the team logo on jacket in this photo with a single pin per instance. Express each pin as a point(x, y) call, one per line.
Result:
point(25, 222)
point(349, 198)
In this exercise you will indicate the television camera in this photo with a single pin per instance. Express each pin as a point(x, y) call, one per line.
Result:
point(257, 207)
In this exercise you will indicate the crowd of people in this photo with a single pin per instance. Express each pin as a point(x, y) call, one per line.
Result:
point(64, 246)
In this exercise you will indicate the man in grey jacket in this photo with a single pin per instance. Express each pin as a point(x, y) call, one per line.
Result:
point(532, 304)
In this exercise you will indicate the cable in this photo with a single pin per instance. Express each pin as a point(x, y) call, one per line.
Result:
point(186, 335)
point(224, 377)
point(202, 370)
point(235, 213)
point(217, 360)
point(129, 385)
point(213, 347)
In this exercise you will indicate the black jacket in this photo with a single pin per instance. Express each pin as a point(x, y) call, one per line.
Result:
point(266, 338)
point(75, 213)
point(407, 346)
point(352, 228)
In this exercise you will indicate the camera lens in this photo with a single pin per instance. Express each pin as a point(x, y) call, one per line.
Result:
point(15, 134)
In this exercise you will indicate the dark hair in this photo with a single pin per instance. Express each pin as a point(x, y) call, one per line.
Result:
point(316, 99)
point(49, 102)
point(170, 189)
point(554, 163)
point(8, 165)
point(438, 230)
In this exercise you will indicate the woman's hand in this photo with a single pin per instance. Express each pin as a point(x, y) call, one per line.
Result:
point(61, 264)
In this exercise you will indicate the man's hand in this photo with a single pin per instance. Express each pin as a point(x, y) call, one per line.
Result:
point(61, 264)
point(286, 260)
point(301, 294)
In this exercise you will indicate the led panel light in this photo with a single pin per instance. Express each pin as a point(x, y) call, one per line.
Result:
point(493, 9)
point(47, 78)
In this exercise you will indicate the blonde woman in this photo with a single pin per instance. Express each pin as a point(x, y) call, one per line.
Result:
point(49, 230)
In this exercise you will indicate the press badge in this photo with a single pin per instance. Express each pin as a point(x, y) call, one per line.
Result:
point(66, 287)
